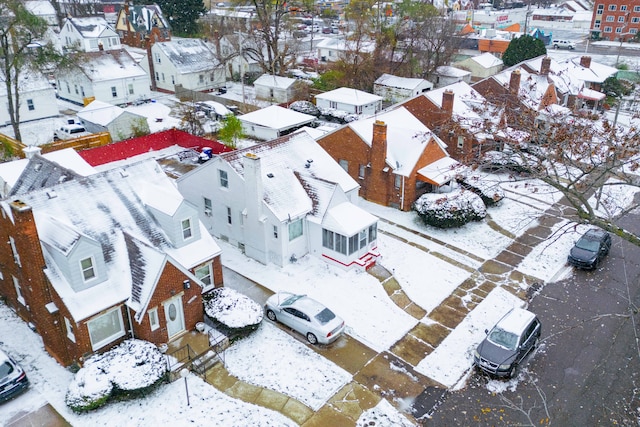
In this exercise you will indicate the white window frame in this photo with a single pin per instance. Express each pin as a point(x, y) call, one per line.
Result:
point(18, 289)
point(16, 256)
point(229, 217)
point(460, 141)
point(205, 276)
point(30, 105)
point(154, 320)
point(607, 29)
point(344, 164)
point(69, 328)
point(610, 18)
point(223, 178)
point(117, 313)
point(185, 225)
point(361, 171)
point(114, 92)
point(92, 267)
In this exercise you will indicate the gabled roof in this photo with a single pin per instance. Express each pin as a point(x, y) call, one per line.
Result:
point(449, 71)
point(108, 208)
point(276, 117)
point(101, 113)
point(277, 82)
point(91, 27)
point(349, 96)
point(141, 17)
point(189, 55)
point(291, 188)
point(533, 87)
point(110, 65)
point(41, 173)
point(568, 75)
point(487, 60)
point(399, 82)
point(343, 45)
point(407, 138)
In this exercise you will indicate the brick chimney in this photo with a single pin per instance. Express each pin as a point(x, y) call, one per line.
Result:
point(585, 61)
point(447, 101)
point(378, 156)
point(514, 82)
point(546, 66)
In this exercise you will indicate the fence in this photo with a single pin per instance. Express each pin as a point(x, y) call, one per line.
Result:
point(16, 148)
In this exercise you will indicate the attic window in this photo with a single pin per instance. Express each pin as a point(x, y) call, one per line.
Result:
point(270, 175)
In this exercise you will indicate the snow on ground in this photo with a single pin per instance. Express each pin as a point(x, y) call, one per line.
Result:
point(375, 319)
point(451, 360)
point(260, 350)
point(382, 415)
point(426, 291)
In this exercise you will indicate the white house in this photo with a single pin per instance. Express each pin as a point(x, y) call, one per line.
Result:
point(121, 124)
point(37, 98)
point(278, 89)
point(191, 63)
point(352, 101)
point(281, 200)
point(112, 76)
point(231, 50)
point(43, 9)
point(446, 75)
point(332, 49)
point(397, 89)
point(89, 34)
point(481, 66)
point(273, 122)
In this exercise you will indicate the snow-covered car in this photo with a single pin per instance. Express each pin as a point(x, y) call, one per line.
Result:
point(507, 343)
point(13, 379)
point(306, 316)
point(590, 249)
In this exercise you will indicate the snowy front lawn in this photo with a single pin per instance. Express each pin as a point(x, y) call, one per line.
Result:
point(273, 359)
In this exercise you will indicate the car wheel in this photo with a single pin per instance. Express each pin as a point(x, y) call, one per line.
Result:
point(555, 46)
point(312, 338)
point(271, 315)
point(513, 371)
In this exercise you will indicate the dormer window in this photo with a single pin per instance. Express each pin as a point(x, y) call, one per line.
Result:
point(88, 270)
point(186, 229)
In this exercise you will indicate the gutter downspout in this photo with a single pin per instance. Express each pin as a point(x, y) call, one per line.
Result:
point(130, 324)
point(402, 196)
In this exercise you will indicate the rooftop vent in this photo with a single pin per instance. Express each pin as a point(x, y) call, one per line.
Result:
point(270, 175)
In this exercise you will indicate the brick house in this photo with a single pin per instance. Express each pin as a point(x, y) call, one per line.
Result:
point(139, 25)
point(460, 116)
point(394, 157)
point(615, 20)
point(93, 260)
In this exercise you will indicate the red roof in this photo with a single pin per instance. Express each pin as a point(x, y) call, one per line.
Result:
point(154, 142)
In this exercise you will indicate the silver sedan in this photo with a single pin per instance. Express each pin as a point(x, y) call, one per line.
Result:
point(305, 315)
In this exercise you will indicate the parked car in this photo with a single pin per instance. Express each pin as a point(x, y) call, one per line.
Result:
point(69, 130)
point(563, 44)
point(508, 342)
point(306, 316)
point(13, 379)
point(590, 249)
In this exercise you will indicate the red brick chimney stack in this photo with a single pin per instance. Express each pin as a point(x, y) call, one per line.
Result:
point(585, 61)
point(447, 101)
point(379, 146)
point(514, 82)
point(546, 66)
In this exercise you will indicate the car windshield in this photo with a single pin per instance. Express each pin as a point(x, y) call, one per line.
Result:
point(291, 300)
point(503, 338)
point(587, 244)
point(5, 369)
point(325, 316)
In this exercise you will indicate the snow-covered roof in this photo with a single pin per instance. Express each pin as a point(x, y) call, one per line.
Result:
point(399, 82)
point(407, 137)
point(348, 219)
point(189, 55)
point(100, 113)
point(110, 65)
point(349, 96)
point(569, 76)
point(442, 170)
point(344, 45)
point(114, 215)
point(487, 60)
point(276, 117)
point(40, 7)
point(594, 95)
point(278, 82)
point(91, 27)
point(142, 17)
point(284, 170)
point(533, 87)
point(448, 71)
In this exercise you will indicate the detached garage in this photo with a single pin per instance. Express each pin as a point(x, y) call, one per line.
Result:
point(121, 124)
point(272, 122)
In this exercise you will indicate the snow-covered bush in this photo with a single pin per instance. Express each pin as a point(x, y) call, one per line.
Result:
point(232, 312)
point(450, 210)
point(128, 370)
point(490, 192)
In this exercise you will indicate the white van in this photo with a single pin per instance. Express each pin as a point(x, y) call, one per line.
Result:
point(563, 44)
point(69, 130)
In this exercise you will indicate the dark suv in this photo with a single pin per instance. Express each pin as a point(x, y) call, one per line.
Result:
point(590, 249)
point(508, 342)
point(13, 379)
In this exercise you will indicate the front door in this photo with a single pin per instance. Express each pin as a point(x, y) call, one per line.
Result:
point(174, 315)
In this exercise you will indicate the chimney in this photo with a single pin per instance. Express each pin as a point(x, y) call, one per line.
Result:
point(379, 146)
point(253, 218)
point(514, 82)
point(447, 101)
point(31, 150)
point(216, 41)
point(585, 61)
point(100, 46)
point(546, 66)
point(152, 68)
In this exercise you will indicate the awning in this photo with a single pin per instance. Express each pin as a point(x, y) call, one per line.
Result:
point(442, 171)
point(590, 94)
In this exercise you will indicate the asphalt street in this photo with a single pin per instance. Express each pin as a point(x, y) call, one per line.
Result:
point(586, 369)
